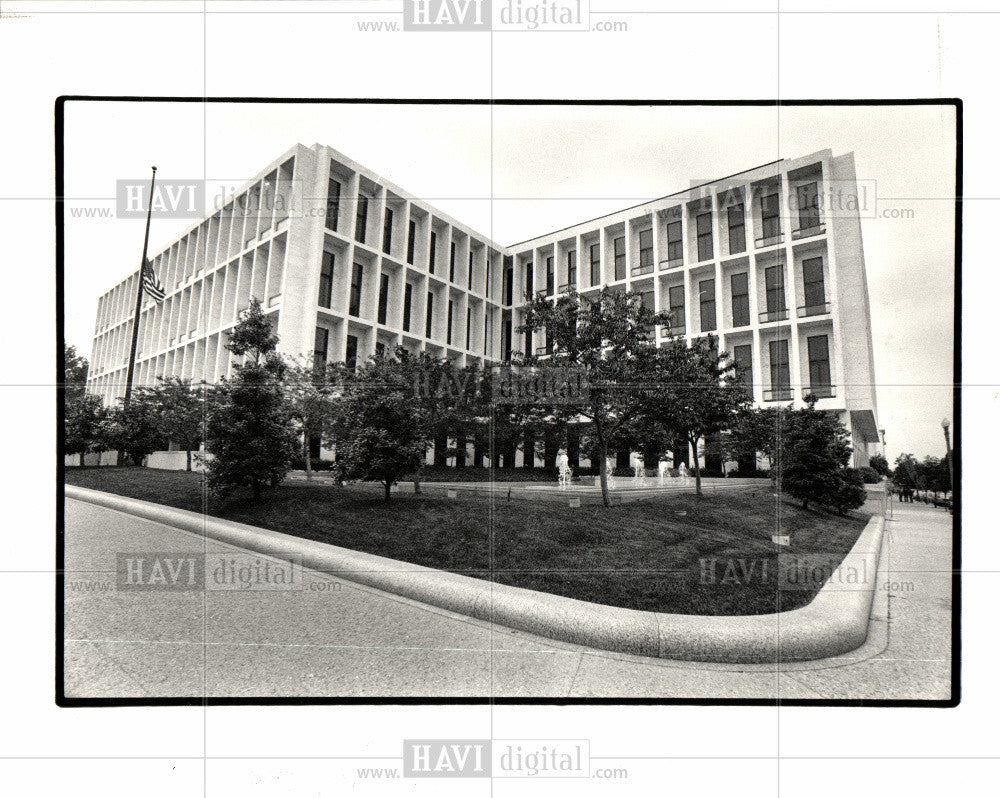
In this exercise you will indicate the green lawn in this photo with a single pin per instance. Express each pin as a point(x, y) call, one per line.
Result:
point(649, 554)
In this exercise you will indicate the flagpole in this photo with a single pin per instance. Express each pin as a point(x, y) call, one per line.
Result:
point(138, 299)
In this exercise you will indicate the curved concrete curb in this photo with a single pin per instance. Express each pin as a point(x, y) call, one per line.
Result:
point(835, 622)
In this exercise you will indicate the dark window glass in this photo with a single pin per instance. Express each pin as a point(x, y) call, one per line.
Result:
point(703, 225)
point(361, 223)
point(706, 294)
point(812, 282)
point(383, 298)
point(379, 349)
point(819, 363)
point(352, 352)
point(595, 264)
point(470, 270)
point(808, 200)
point(648, 300)
point(322, 345)
point(780, 378)
point(505, 340)
point(645, 249)
point(774, 283)
point(770, 221)
point(508, 280)
point(571, 268)
point(675, 242)
point(326, 280)
point(743, 361)
point(433, 253)
point(332, 204)
point(387, 232)
point(529, 280)
point(451, 314)
point(411, 240)
point(356, 277)
point(407, 306)
point(737, 229)
point(741, 299)
point(550, 276)
point(451, 264)
point(430, 315)
point(620, 258)
point(676, 296)
point(468, 328)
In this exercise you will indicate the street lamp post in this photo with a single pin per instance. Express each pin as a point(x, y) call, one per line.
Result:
point(945, 425)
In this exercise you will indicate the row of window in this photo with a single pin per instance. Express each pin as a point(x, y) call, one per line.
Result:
point(361, 231)
point(818, 352)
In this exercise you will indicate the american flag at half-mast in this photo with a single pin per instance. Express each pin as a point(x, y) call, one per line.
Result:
point(150, 284)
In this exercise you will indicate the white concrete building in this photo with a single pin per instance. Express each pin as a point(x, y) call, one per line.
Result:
point(770, 260)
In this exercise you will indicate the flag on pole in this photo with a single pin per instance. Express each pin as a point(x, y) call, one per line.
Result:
point(149, 283)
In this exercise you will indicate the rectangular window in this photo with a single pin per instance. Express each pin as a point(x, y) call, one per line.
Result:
point(433, 253)
point(648, 300)
point(706, 296)
point(387, 232)
point(508, 280)
point(571, 268)
point(505, 341)
point(411, 240)
point(645, 251)
point(430, 315)
point(675, 243)
point(780, 378)
point(468, 328)
point(451, 264)
point(739, 283)
point(595, 264)
point(743, 362)
point(379, 349)
point(322, 346)
point(361, 223)
point(770, 221)
point(332, 204)
point(703, 226)
point(383, 298)
point(812, 282)
point(550, 276)
point(326, 280)
point(470, 270)
point(356, 277)
point(737, 229)
point(808, 202)
point(620, 258)
point(774, 283)
point(451, 316)
point(819, 366)
point(352, 352)
point(407, 306)
point(676, 296)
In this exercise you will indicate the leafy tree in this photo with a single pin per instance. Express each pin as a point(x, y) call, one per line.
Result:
point(136, 432)
point(309, 397)
point(847, 490)
point(880, 465)
point(75, 373)
point(815, 449)
point(933, 475)
point(611, 338)
point(84, 420)
point(250, 432)
point(692, 393)
point(180, 409)
point(904, 475)
point(380, 434)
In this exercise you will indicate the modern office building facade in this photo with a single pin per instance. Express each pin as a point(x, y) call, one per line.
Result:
point(347, 264)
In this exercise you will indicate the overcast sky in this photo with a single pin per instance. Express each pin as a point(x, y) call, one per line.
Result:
point(516, 172)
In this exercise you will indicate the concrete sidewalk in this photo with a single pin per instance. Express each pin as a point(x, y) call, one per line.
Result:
point(335, 638)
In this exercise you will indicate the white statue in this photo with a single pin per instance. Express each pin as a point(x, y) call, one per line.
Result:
point(638, 466)
point(662, 471)
point(684, 474)
point(565, 472)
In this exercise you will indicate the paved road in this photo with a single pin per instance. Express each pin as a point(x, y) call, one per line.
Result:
point(335, 638)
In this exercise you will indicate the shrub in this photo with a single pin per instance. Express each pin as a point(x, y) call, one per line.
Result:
point(847, 491)
point(869, 475)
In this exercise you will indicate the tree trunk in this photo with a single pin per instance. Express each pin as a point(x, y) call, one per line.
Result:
point(188, 459)
point(697, 468)
point(309, 470)
point(388, 488)
point(416, 482)
point(602, 447)
point(83, 460)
